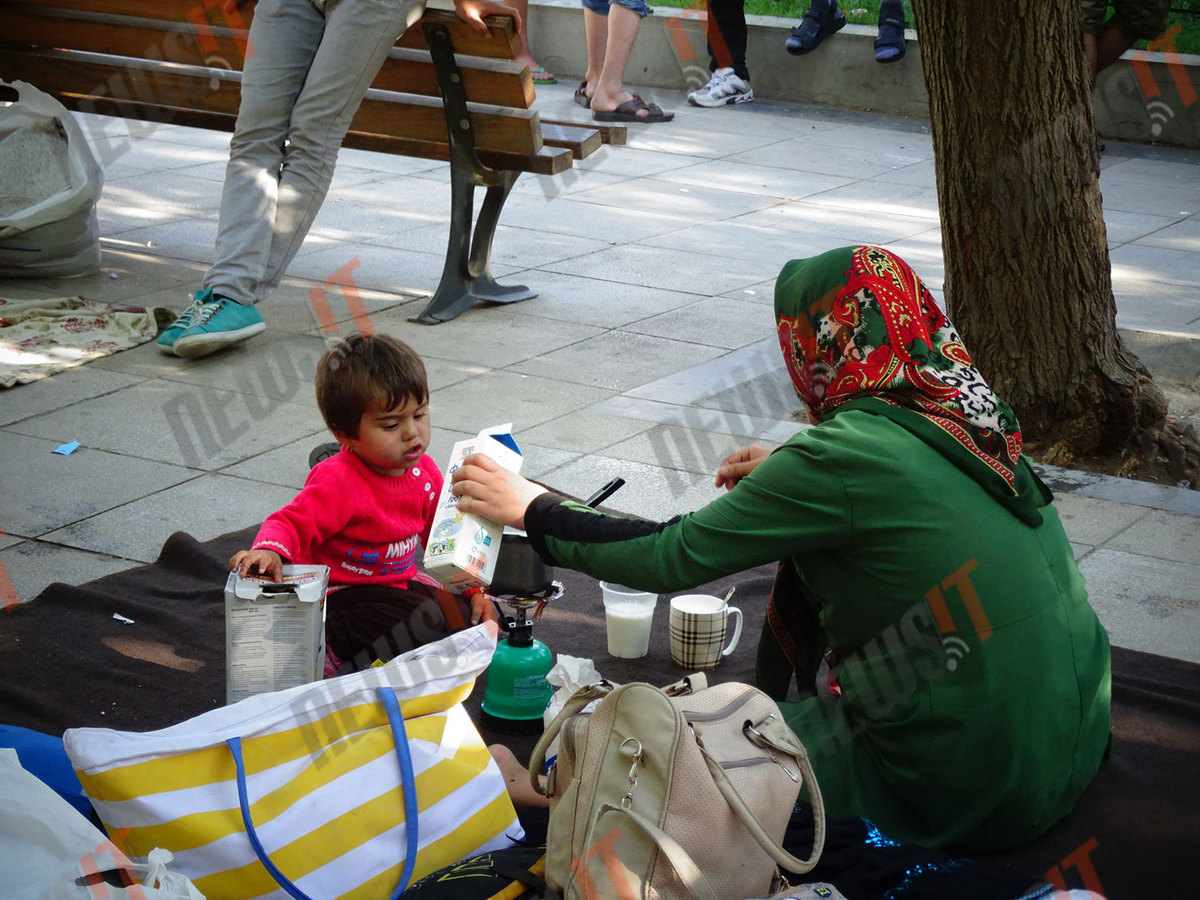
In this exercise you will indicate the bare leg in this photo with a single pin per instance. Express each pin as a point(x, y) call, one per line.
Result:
point(516, 778)
point(526, 55)
point(595, 27)
point(609, 91)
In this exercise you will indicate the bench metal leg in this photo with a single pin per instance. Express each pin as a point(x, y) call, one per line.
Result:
point(467, 276)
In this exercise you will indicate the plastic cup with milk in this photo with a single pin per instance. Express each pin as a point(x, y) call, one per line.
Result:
point(628, 615)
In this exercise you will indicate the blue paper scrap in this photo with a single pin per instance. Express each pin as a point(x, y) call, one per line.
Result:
point(67, 449)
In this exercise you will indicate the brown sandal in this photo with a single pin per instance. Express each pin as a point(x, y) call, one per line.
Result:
point(628, 112)
point(581, 96)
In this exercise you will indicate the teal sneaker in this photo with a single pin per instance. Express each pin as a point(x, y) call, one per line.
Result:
point(166, 340)
point(219, 323)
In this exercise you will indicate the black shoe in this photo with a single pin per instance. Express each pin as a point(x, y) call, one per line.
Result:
point(890, 45)
point(814, 27)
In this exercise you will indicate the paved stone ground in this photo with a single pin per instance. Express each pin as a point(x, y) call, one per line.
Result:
point(648, 353)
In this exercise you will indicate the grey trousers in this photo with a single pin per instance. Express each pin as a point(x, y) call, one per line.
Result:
point(308, 68)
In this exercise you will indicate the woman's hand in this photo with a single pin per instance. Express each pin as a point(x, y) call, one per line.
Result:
point(486, 489)
point(267, 562)
point(473, 11)
point(739, 464)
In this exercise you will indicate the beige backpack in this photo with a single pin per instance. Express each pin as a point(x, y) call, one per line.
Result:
point(677, 793)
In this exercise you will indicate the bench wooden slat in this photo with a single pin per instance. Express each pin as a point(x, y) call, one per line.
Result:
point(179, 86)
point(499, 82)
point(581, 142)
point(495, 81)
point(502, 41)
point(609, 134)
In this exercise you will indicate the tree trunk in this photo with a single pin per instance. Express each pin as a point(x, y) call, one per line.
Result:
point(1028, 281)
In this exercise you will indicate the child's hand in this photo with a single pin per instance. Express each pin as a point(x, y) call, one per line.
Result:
point(265, 562)
point(482, 607)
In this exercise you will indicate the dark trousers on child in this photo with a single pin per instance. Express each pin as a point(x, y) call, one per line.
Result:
point(364, 623)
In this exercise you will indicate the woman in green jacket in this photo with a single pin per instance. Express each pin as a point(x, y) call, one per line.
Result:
point(916, 544)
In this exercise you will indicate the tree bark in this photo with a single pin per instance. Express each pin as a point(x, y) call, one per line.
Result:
point(1028, 281)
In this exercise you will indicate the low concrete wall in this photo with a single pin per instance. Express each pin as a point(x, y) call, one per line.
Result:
point(1147, 97)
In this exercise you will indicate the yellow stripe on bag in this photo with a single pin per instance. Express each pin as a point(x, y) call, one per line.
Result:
point(356, 826)
point(214, 764)
point(466, 838)
point(198, 829)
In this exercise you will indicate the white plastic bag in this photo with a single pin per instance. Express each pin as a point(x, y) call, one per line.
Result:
point(49, 851)
point(57, 235)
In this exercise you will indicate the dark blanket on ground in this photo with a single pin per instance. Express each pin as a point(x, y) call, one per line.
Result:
point(65, 661)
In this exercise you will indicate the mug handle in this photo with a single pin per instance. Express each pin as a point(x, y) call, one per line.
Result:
point(737, 631)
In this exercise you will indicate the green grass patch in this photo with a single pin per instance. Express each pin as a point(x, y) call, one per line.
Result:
point(1184, 13)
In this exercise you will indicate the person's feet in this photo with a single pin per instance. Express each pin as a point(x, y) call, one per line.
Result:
point(819, 21)
point(537, 70)
point(725, 87)
point(624, 106)
point(170, 334)
point(215, 322)
point(890, 46)
point(516, 777)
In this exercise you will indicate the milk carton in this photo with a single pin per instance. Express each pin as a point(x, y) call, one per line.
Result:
point(463, 548)
point(274, 631)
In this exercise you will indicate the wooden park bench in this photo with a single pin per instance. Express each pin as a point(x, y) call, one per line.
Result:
point(444, 93)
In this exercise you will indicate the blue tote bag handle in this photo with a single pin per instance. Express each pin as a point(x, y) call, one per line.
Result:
point(408, 782)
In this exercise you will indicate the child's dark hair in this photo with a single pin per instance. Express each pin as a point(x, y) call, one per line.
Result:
point(359, 373)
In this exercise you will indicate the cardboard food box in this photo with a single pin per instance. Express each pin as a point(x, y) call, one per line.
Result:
point(462, 548)
point(274, 631)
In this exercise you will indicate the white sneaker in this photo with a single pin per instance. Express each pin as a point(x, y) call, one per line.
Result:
point(722, 89)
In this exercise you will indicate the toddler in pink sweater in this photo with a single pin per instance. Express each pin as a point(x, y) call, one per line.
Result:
point(366, 512)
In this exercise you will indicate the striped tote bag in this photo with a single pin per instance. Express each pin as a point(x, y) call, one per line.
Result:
point(346, 788)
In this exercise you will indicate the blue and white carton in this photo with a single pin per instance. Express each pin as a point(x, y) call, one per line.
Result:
point(463, 548)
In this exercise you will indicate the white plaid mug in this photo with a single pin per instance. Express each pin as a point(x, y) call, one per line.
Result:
point(698, 626)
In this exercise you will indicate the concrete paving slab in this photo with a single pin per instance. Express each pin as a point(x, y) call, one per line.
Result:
point(752, 239)
point(585, 431)
point(589, 301)
point(1123, 227)
point(877, 196)
point(503, 396)
point(1145, 604)
point(1144, 305)
point(616, 361)
point(1156, 264)
point(1132, 196)
point(137, 273)
point(33, 566)
point(717, 321)
point(677, 449)
point(674, 270)
point(781, 184)
point(516, 247)
point(1165, 536)
point(1093, 522)
point(63, 389)
point(567, 215)
point(332, 307)
point(809, 154)
point(919, 174)
point(285, 466)
point(695, 202)
point(491, 336)
point(139, 529)
point(41, 490)
point(1183, 235)
point(189, 238)
point(176, 423)
point(814, 225)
